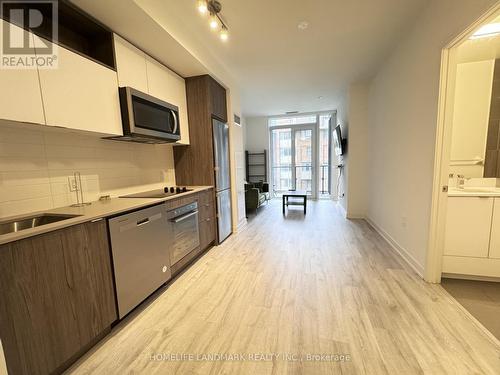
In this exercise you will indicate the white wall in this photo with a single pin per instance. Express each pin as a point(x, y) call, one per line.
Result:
point(343, 120)
point(357, 198)
point(403, 118)
point(36, 160)
point(256, 134)
point(238, 172)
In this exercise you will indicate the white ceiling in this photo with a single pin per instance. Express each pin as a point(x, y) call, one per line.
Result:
point(278, 67)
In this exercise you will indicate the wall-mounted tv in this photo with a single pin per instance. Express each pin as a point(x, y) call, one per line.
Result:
point(339, 143)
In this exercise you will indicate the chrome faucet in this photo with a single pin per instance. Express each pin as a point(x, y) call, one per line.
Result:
point(461, 181)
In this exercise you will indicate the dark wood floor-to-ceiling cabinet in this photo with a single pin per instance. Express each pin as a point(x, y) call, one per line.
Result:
point(194, 164)
point(206, 99)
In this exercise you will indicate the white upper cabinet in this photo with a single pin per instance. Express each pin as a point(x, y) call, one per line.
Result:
point(81, 94)
point(168, 86)
point(130, 65)
point(468, 224)
point(20, 98)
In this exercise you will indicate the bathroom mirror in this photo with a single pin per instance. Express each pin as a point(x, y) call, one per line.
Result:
point(475, 149)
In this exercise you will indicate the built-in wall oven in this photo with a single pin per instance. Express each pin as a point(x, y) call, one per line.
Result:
point(185, 231)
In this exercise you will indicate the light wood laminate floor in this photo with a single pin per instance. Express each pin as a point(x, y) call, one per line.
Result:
point(294, 286)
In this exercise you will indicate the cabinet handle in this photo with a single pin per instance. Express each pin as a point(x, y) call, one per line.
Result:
point(96, 220)
point(207, 205)
point(208, 219)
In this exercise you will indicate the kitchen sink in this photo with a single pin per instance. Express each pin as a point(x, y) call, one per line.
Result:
point(31, 222)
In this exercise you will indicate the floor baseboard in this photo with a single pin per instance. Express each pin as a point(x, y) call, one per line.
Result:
point(407, 257)
point(241, 225)
point(342, 209)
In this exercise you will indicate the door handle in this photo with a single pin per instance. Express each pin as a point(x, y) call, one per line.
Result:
point(143, 222)
point(184, 217)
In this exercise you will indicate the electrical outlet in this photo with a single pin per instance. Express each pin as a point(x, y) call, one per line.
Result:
point(72, 183)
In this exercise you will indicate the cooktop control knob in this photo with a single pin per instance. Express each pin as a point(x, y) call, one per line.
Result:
point(178, 190)
point(165, 189)
point(172, 189)
point(184, 189)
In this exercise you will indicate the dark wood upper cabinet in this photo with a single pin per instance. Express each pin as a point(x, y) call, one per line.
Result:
point(217, 100)
point(56, 297)
point(76, 30)
point(206, 99)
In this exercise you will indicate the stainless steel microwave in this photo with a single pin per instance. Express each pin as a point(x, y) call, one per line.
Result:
point(147, 119)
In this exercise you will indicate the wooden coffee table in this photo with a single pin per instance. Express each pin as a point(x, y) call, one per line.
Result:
point(295, 194)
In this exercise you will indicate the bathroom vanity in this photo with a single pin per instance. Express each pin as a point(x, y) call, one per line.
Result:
point(472, 239)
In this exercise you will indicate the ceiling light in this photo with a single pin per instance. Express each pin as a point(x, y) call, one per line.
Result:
point(202, 6)
point(303, 25)
point(320, 97)
point(487, 31)
point(214, 22)
point(214, 7)
point(224, 34)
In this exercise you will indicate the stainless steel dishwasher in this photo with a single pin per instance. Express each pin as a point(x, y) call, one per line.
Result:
point(185, 231)
point(141, 242)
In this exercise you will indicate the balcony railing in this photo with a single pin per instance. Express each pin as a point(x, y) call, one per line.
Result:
point(282, 178)
point(324, 179)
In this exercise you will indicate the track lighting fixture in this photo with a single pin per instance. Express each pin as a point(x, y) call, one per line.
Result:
point(214, 8)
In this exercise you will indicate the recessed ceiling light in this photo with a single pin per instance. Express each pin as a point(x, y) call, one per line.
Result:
point(487, 31)
point(320, 97)
point(303, 25)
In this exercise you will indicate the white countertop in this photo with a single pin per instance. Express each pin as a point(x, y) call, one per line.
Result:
point(474, 192)
point(97, 210)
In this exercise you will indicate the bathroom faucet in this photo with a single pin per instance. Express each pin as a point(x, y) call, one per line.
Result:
point(461, 181)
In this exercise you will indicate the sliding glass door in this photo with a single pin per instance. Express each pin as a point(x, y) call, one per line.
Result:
point(293, 158)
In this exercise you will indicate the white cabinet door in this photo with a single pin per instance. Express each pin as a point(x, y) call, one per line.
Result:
point(168, 86)
point(495, 231)
point(81, 94)
point(468, 223)
point(130, 65)
point(20, 98)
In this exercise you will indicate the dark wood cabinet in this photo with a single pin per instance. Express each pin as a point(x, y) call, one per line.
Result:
point(206, 204)
point(206, 99)
point(56, 297)
point(194, 164)
point(217, 97)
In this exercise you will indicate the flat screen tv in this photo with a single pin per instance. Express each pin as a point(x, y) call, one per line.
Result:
point(339, 143)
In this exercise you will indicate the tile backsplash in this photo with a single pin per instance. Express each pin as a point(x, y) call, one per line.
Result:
point(36, 161)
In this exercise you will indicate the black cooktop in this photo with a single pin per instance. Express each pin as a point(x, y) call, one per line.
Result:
point(159, 193)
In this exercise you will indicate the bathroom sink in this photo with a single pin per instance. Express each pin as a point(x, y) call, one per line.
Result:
point(478, 189)
point(17, 225)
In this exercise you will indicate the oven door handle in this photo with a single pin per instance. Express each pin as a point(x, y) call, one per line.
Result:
point(184, 217)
